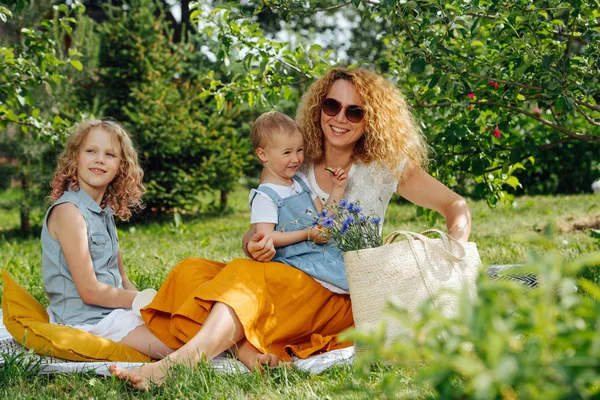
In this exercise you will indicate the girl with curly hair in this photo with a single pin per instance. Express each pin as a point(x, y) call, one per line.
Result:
point(98, 177)
point(352, 119)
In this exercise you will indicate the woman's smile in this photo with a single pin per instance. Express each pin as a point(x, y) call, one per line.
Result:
point(338, 130)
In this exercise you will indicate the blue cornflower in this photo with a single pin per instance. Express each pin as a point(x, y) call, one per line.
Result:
point(347, 223)
point(343, 203)
point(328, 222)
point(376, 220)
point(307, 211)
point(356, 209)
point(363, 219)
point(349, 206)
point(323, 213)
point(315, 222)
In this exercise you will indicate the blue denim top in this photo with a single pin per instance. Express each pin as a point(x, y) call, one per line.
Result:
point(65, 301)
point(323, 262)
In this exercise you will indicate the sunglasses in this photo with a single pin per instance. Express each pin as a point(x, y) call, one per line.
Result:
point(332, 107)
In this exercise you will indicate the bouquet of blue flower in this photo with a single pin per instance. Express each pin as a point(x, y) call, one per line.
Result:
point(348, 228)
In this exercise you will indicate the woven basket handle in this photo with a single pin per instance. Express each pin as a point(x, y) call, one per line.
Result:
point(446, 249)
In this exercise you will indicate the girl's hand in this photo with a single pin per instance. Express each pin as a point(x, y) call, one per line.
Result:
point(260, 247)
point(317, 235)
point(338, 176)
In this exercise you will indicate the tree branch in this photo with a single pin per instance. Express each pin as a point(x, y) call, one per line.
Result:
point(304, 11)
point(544, 147)
point(436, 105)
point(412, 38)
point(567, 51)
point(506, 82)
point(558, 127)
point(482, 15)
point(590, 106)
point(587, 117)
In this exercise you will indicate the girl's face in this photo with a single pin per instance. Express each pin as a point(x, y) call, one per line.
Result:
point(98, 161)
point(282, 156)
point(338, 130)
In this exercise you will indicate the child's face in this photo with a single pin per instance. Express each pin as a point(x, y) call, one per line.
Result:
point(98, 161)
point(283, 155)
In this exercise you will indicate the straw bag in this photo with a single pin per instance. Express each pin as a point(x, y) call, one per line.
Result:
point(411, 271)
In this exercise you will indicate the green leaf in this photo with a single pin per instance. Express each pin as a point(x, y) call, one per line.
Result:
point(435, 78)
point(195, 14)
point(76, 64)
point(513, 182)
point(418, 65)
point(477, 43)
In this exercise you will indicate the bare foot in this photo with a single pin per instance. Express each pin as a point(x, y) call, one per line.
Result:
point(140, 378)
point(254, 359)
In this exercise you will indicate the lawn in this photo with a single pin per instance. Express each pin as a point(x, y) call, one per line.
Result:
point(151, 247)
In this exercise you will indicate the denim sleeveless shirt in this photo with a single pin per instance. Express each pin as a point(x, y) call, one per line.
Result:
point(65, 301)
point(319, 261)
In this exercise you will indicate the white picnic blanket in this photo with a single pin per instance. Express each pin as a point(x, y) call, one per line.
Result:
point(222, 363)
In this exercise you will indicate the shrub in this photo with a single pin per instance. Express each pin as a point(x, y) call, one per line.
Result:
point(187, 148)
point(512, 342)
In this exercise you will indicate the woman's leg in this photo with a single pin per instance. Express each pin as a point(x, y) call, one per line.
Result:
point(220, 331)
point(252, 357)
point(145, 342)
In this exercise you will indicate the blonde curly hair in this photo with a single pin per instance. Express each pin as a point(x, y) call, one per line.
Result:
point(124, 193)
point(390, 128)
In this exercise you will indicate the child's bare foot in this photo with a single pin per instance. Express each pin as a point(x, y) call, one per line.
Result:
point(254, 359)
point(140, 378)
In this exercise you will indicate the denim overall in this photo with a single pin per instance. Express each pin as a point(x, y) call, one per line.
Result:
point(323, 262)
point(65, 301)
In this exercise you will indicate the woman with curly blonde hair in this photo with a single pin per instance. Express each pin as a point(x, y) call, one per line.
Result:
point(359, 121)
point(98, 176)
point(352, 119)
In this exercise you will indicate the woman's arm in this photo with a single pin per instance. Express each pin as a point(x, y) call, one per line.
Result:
point(422, 189)
point(126, 282)
point(68, 226)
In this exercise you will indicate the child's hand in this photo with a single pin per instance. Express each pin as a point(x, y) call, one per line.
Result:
point(338, 176)
point(318, 235)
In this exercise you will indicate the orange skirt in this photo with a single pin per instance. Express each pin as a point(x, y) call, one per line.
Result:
point(283, 310)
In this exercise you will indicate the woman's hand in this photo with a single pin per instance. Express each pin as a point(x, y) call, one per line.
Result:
point(422, 189)
point(260, 247)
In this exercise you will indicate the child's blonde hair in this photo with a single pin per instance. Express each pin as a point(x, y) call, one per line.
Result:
point(124, 192)
point(390, 128)
point(271, 123)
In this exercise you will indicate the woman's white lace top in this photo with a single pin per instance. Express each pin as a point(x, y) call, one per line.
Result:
point(372, 185)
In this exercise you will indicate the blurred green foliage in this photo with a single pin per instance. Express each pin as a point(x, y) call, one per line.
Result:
point(511, 342)
point(32, 65)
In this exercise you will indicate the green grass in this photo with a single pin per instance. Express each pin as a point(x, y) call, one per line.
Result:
point(152, 247)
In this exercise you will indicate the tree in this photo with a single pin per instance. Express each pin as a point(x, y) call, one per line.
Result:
point(30, 70)
point(156, 88)
point(494, 83)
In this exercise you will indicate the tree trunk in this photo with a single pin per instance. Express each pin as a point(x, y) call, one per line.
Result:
point(223, 204)
point(24, 209)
